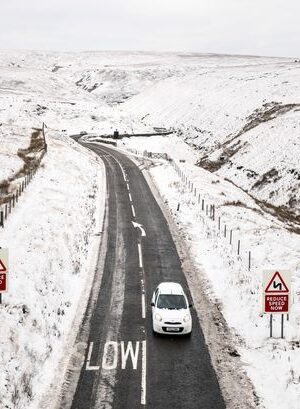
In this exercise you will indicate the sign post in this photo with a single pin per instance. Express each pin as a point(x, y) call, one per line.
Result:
point(276, 294)
point(3, 271)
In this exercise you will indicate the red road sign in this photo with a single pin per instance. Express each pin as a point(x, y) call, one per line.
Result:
point(3, 269)
point(277, 303)
point(3, 282)
point(276, 285)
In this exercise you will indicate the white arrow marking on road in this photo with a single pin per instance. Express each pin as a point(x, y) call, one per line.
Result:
point(139, 226)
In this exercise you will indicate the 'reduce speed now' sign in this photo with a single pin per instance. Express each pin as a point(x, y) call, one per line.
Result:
point(276, 291)
point(3, 270)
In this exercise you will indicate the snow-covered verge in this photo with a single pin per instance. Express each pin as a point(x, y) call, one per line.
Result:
point(49, 236)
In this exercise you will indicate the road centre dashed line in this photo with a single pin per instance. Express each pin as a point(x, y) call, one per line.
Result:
point(144, 348)
point(133, 211)
point(140, 255)
point(118, 162)
point(143, 298)
point(130, 352)
point(143, 306)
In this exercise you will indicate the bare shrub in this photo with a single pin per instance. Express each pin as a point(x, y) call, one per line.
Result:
point(15, 397)
point(26, 385)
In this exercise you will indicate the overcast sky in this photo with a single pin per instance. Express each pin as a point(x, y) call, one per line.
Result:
point(261, 27)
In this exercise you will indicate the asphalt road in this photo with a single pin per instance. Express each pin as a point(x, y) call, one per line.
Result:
point(126, 366)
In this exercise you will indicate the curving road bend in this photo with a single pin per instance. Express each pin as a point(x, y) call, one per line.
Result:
point(125, 366)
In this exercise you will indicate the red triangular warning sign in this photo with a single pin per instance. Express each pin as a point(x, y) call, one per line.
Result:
point(276, 285)
point(2, 267)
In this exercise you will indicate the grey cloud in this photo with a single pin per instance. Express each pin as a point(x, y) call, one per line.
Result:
point(268, 27)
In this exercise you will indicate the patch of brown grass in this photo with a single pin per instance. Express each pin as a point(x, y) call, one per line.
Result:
point(31, 157)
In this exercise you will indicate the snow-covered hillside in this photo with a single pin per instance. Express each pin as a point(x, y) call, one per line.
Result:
point(233, 117)
point(243, 122)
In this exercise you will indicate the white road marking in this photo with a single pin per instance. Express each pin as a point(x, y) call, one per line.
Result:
point(143, 299)
point(140, 255)
point(138, 225)
point(134, 355)
point(118, 162)
point(144, 368)
point(88, 366)
point(133, 211)
point(130, 198)
point(143, 306)
point(129, 349)
point(110, 355)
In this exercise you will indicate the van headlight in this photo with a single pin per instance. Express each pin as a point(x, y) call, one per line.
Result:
point(157, 317)
point(186, 318)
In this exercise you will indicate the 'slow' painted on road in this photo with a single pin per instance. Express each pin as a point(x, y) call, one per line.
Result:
point(123, 354)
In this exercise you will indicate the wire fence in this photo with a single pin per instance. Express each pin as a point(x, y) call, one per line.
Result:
point(10, 201)
point(217, 224)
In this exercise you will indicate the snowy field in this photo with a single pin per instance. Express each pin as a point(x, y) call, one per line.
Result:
point(244, 123)
point(50, 241)
point(236, 124)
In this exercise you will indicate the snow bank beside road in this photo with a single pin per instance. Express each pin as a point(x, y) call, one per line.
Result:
point(48, 234)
